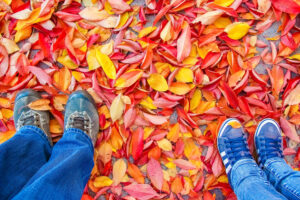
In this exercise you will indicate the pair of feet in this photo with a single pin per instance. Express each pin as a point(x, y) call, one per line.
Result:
point(80, 113)
point(233, 146)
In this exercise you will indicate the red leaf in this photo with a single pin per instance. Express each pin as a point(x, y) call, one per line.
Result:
point(155, 173)
point(229, 95)
point(289, 130)
point(137, 143)
point(184, 164)
point(288, 6)
point(140, 191)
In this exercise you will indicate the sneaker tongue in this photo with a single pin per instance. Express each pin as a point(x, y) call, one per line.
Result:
point(235, 133)
point(271, 132)
point(29, 120)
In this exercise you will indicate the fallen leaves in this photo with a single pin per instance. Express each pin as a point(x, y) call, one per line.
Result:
point(155, 84)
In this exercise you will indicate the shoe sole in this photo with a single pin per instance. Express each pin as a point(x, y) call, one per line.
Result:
point(222, 128)
point(258, 128)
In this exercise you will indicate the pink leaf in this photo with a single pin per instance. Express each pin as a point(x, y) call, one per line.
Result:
point(41, 75)
point(184, 44)
point(3, 61)
point(129, 117)
point(155, 173)
point(217, 166)
point(119, 6)
point(184, 164)
point(141, 191)
point(157, 120)
point(289, 130)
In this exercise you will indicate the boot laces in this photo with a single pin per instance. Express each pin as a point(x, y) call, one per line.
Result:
point(30, 118)
point(81, 121)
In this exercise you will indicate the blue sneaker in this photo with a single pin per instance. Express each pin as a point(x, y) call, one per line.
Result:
point(267, 140)
point(23, 115)
point(232, 144)
point(81, 113)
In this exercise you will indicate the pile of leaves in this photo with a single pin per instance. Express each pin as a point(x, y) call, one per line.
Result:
point(162, 87)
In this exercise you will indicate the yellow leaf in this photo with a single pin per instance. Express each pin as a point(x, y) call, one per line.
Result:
point(222, 22)
point(108, 8)
point(67, 62)
point(147, 132)
point(148, 103)
point(93, 14)
point(4, 102)
point(237, 30)
point(123, 20)
point(157, 82)
point(78, 75)
point(204, 106)
point(119, 170)
point(223, 179)
point(128, 78)
point(92, 60)
point(23, 34)
point(224, 3)
point(146, 31)
point(107, 48)
point(117, 108)
point(8, 2)
point(102, 181)
point(295, 56)
point(10, 45)
point(191, 150)
point(7, 113)
point(165, 144)
point(185, 75)
point(196, 99)
point(235, 124)
point(106, 64)
point(181, 88)
point(165, 34)
point(190, 61)
point(4, 136)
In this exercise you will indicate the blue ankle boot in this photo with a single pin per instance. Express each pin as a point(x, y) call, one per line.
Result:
point(23, 115)
point(81, 113)
point(268, 142)
point(232, 144)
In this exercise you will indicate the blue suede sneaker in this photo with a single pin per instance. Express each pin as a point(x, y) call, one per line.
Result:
point(267, 140)
point(232, 144)
point(23, 115)
point(81, 113)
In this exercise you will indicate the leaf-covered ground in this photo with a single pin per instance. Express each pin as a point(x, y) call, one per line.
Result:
point(165, 74)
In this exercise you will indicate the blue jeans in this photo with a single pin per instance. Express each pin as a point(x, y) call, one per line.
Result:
point(277, 181)
point(31, 169)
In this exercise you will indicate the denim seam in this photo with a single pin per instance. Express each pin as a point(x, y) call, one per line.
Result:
point(82, 133)
point(292, 191)
point(36, 130)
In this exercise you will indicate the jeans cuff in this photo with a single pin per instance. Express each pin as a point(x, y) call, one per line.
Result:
point(272, 160)
point(236, 165)
point(81, 133)
point(29, 128)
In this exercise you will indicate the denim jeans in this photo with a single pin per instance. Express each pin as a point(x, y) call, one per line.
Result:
point(277, 181)
point(31, 169)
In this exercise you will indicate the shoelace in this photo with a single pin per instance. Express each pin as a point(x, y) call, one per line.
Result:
point(270, 148)
point(239, 149)
point(30, 119)
point(80, 123)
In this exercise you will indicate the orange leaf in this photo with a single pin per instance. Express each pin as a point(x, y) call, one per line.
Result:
point(40, 104)
point(119, 170)
point(276, 77)
point(135, 172)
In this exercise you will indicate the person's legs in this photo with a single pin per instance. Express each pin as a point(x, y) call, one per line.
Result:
point(268, 142)
point(28, 150)
point(245, 177)
point(66, 173)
